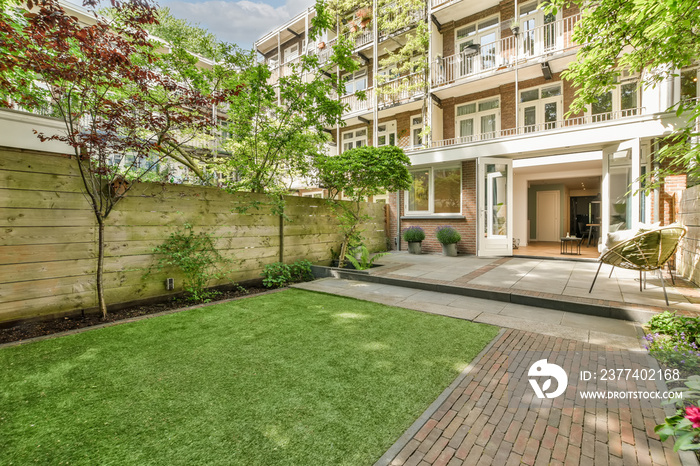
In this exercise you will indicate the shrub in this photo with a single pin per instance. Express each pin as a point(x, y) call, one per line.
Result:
point(413, 234)
point(278, 274)
point(674, 350)
point(196, 257)
point(447, 235)
point(670, 323)
point(365, 261)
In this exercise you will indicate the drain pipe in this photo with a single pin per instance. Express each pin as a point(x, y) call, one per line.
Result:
point(515, 39)
point(398, 220)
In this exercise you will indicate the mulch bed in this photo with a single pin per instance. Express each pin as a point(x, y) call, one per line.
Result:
point(48, 327)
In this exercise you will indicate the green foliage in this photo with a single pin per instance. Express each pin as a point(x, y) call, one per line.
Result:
point(358, 174)
point(650, 38)
point(413, 234)
point(671, 323)
point(447, 235)
point(196, 257)
point(279, 274)
point(366, 261)
point(685, 424)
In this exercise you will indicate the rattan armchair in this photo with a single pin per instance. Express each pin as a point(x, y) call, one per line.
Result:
point(646, 251)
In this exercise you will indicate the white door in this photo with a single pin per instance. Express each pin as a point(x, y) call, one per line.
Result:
point(548, 210)
point(495, 198)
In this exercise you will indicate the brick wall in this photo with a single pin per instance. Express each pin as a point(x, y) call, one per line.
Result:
point(466, 227)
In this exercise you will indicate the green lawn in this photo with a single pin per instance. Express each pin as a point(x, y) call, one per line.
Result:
point(293, 377)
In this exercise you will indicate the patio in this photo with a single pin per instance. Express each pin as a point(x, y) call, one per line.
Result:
point(560, 279)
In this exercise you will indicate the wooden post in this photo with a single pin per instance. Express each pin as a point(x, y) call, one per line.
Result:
point(282, 232)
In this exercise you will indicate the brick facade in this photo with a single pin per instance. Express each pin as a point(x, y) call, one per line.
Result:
point(466, 227)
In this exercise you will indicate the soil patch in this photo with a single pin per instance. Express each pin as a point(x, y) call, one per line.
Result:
point(48, 327)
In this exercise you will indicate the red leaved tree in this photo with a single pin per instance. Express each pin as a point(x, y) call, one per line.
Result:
point(108, 84)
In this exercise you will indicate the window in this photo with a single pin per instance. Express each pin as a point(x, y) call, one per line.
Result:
point(622, 101)
point(541, 108)
point(356, 81)
point(476, 44)
point(620, 177)
point(416, 130)
point(478, 120)
point(386, 134)
point(273, 61)
point(352, 139)
point(290, 53)
point(689, 84)
point(316, 194)
point(436, 190)
point(537, 30)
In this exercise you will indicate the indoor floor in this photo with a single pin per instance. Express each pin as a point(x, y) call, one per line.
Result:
point(553, 249)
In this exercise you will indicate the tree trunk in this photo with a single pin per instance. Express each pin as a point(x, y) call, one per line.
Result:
point(100, 265)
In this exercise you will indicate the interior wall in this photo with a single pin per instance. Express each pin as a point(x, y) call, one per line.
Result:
point(532, 206)
point(521, 180)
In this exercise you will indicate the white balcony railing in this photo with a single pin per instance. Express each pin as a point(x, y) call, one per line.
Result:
point(542, 127)
point(501, 54)
point(361, 37)
point(401, 89)
point(354, 104)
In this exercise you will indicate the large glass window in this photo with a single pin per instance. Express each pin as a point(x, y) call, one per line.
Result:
point(435, 190)
point(620, 176)
point(478, 120)
point(386, 134)
point(477, 46)
point(352, 139)
point(619, 102)
point(416, 130)
point(357, 81)
point(541, 107)
point(689, 84)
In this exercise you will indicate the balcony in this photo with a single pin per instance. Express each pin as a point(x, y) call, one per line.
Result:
point(539, 128)
point(355, 105)
point(361, 37)
point(401, 90)
point(479, 59)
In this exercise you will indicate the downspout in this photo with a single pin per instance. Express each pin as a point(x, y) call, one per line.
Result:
point(515, 42)
point(375, 66)
point(398, 220)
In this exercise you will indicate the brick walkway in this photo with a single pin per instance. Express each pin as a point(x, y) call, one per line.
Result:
point(493, 418)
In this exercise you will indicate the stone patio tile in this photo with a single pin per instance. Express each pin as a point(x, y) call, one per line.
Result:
point(539, 284)
point(520, 311)
point(433, 297)
point(609, 339)
point(554, 330)
point(483, 305)
point(440, 309)
point(599, 324)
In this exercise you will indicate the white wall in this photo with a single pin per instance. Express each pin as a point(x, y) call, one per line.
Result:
point(17, 132)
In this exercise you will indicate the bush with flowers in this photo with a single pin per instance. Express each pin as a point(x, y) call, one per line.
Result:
point(685, 425)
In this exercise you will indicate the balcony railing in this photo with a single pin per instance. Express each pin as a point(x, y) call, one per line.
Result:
point(361, 37)
point(354, 104)
point(400, 90)
point(391, 15)
point(549, 38)
point(542, 127)
point(438, 3)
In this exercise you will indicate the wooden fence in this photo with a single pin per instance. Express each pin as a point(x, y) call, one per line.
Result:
point(688, 255)
point(48, 239)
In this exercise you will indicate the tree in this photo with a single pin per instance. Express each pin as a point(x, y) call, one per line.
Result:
point(276, 129)
point(652, 38)
point(106, 83)
point(358, 174)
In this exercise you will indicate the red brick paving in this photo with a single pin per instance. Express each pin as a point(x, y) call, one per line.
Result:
point(480, 424)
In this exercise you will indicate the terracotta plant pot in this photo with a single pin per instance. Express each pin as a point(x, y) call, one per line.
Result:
point(449, 250)
point(414, 247)
point(353, 28)
point(321, 45)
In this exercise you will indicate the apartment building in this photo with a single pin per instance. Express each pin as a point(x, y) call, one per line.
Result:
point(493, 153)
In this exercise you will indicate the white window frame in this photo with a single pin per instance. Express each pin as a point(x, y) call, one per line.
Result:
point(386, 130)
point(539, 105)
point(431, 192)
point(416, 126)
point(478, 133)
point(273, 61)
point(538, 46)
point(354, 139)
point(697, 79)
point(314, 194)
point(466, 63)
point(355, 77)
point(617, 101)
point(288, 52)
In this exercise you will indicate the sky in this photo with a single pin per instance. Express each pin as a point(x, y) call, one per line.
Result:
point(239, 22)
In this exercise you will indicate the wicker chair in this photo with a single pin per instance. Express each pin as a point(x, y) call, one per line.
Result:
point(646, 251)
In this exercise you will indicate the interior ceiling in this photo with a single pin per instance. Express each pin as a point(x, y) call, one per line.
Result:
point(591, 183)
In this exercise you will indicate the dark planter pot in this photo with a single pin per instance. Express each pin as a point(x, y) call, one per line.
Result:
point(414, 247)
point(449, 249)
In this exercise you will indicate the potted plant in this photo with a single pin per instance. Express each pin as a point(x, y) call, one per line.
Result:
point(321, 45)
point(515, 27)
point(448, 237)
point(364, 16)
point(413, 236)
